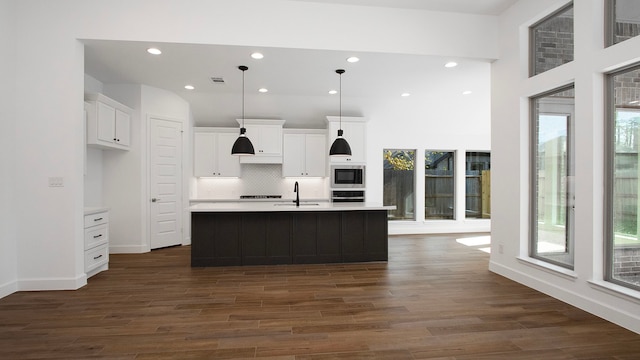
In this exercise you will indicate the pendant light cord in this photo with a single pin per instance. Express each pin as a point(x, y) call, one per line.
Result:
point(242, 98)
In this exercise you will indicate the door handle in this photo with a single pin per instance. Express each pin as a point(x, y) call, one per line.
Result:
point(155, 199)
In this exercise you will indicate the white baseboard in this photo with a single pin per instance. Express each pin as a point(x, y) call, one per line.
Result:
point(128, 249)
point(8, 288)
point(52, 284)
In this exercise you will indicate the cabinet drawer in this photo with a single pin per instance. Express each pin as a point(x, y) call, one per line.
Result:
point(95, 236)
point(96, 219)
point(96, 257)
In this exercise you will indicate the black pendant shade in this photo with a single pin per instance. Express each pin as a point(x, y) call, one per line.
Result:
point(340, 146)
point(242, 145)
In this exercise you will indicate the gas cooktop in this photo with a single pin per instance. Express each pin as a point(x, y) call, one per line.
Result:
point(260, 196)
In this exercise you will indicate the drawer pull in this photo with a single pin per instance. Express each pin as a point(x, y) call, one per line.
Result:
point(97, 236)
point(97, 257)
point(97, 219)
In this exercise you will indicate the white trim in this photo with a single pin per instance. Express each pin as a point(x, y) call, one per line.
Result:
point(53, 283)
point(8, 288)
point(128, 249)
point(548, 267)
point(616, 290)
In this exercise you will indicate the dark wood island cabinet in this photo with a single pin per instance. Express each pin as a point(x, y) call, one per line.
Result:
point(227, 236)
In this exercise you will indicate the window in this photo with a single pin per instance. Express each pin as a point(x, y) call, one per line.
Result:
point(623, 20)
point(478, 185)
point(622, 241)
point(399, 183)
point(439, 185)
point(552, 188)
point(551, 41)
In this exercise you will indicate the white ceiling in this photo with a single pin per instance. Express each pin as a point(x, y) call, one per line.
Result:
point(298, 80)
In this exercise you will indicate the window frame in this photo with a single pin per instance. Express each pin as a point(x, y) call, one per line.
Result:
point(609, 173)
point(454, 176)
point(414, 179)
point(532, 46)
point(533, 174)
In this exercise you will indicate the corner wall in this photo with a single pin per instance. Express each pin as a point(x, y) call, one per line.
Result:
point(511, 88)
point(8, 241)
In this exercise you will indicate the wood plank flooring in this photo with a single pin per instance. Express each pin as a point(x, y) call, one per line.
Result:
point(434, 299)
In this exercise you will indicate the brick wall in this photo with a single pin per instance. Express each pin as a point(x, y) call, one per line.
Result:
point(626, 261)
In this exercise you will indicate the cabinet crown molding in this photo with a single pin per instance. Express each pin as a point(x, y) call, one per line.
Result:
point(261, 122)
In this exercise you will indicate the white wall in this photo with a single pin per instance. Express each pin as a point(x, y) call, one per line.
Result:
point(447, 121)
point(8, 245)
point(48, 99)
point(511, 89)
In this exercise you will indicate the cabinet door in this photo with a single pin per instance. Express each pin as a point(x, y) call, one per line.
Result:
point(266, 139)
point(203, 154)
point(122, 128)
point(293, 155)
point(106, 119)
point(227, 165)
point(316, 155)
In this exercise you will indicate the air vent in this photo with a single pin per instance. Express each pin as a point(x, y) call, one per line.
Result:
point(217, 80)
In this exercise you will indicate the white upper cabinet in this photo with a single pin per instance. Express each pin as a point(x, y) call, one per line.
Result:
point(305, 153)
point(108, 123)
point(355, 132)
point(266, 137)
point(212, 153)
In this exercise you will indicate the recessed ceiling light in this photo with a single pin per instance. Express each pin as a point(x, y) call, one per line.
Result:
point(333, 92)
point(405, 94)
point(263, 90)
point(257, 55)
point(451, 64)
point(189, 87)
point(353, 59)
point(154, 51)
point(466, 92)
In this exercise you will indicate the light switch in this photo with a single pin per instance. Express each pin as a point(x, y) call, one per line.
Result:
point(56, 181)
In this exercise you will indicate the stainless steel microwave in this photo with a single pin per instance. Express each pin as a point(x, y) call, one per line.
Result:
point(347, 176)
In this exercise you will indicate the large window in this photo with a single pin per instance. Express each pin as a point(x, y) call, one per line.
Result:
point(622, 225)
point(551, 41)
point(623, 20)
point(439, 185)
point(552, 170)
point(399, 183)
point(478, 185)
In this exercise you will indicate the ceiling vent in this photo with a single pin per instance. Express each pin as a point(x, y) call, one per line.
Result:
point(217, 80)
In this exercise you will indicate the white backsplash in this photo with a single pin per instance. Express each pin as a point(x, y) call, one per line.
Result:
point(261, 179)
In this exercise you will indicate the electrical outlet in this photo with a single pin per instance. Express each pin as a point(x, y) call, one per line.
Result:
point(56, 181)
point(500, 249)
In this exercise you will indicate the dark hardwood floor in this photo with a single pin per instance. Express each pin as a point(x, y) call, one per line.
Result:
point(434, 299)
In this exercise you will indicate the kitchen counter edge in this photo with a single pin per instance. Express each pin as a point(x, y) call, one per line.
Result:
point(285, 207)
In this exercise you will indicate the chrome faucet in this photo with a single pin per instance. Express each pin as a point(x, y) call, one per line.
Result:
point(297, 191)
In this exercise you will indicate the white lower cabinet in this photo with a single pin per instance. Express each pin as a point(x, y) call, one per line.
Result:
point(305, 154)
point(96, 242)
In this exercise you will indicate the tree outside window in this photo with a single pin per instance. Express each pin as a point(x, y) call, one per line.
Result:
point(399, 183)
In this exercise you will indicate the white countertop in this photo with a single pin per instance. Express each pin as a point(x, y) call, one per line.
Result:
point(280, 206)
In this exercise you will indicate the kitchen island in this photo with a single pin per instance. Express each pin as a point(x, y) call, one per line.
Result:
point(261, 233)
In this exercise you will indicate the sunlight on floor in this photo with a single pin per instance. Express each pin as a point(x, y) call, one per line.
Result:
point(477, 242)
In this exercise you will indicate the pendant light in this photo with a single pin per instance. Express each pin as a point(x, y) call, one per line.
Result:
point(243, 145)
point(340, 146)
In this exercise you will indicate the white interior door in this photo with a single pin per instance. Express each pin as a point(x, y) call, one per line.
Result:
point(165, 188)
